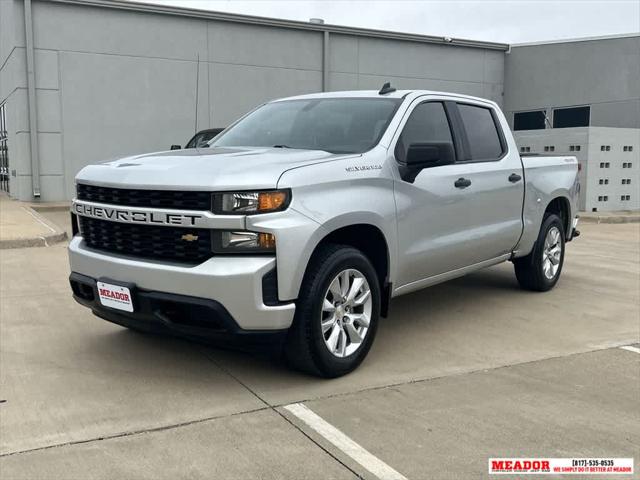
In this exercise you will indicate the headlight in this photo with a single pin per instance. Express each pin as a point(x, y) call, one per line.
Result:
point(243, 242)
point(251, 202)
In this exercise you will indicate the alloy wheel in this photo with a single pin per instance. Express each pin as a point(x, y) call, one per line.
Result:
point(346, 313)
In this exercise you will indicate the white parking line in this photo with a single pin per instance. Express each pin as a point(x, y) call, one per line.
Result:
point(631, 348)
point(344, 443)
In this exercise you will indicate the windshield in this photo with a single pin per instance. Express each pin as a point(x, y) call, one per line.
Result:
point(336, 125)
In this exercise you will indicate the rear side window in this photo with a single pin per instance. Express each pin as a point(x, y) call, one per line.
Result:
point(482, 133)
point(427, 123)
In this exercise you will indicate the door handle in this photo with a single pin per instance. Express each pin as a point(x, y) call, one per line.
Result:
point(462, 183)
point(514, 177)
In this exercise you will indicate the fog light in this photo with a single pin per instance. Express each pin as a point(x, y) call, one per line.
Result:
point(243, 242)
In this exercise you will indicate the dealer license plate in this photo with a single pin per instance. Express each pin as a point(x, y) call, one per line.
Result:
point(115, 296)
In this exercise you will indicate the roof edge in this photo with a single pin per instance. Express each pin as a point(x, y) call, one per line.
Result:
point(276, 22)
point(579, 39)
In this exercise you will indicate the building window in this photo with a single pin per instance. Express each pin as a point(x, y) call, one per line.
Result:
point(627, 165)
point(529, 120)
point(627, 148)
point(606, 165)
point(577, 148)
point(549, 148)
point(603, 198)
point(571, 117)
point(625, 198)
point(603, 181)
point(605, 148)
point(525, 149)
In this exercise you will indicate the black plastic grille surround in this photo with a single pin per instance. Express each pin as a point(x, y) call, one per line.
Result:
point(184, 200)
point(147, 241)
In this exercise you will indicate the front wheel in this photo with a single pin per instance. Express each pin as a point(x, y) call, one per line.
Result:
point(540, 270)
point(337, 313)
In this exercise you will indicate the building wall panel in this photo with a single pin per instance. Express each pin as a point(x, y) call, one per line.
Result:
point(118, 105)
point(574, 73)
point(256, 45)
point(118, 32)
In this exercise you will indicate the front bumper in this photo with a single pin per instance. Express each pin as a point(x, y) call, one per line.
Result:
point(233, 283)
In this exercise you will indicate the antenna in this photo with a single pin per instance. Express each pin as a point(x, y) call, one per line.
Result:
point(195, 127)
point(386, 88)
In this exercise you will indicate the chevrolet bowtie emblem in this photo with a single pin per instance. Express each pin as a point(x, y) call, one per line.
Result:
point(188, 237)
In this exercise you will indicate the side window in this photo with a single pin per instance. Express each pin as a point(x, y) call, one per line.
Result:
point(482, 133)
point(427, 123)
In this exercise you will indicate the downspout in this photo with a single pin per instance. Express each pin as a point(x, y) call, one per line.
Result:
point(325, 62)
point(31, 97)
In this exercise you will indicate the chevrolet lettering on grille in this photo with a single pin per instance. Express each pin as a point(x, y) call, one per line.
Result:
point(125, 215)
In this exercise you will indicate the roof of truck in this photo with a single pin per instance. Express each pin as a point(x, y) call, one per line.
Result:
point(376, 94)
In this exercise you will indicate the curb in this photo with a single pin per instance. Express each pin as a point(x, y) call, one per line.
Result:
point(56, 235)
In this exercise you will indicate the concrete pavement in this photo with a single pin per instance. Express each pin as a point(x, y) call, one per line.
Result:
point(22, 226)
point(462, 371)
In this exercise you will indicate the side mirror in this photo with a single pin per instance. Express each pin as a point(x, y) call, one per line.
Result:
point(175, 147)
point(426, 155)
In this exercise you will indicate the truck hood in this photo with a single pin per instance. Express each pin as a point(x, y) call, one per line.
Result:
point(203, 169)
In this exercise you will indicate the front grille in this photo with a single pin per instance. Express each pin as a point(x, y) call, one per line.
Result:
point(147, 241)
point(184, 200)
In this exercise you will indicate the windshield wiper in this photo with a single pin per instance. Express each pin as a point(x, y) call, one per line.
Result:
point(281, 146)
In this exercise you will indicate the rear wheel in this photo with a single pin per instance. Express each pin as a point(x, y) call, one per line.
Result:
point(540, 270)
point(337, 313)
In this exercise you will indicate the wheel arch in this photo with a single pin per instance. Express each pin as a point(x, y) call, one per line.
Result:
point(561, 206)
point(371, 241)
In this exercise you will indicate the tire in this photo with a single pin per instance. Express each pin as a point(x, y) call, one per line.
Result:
point(537, 271)
point(326, 353)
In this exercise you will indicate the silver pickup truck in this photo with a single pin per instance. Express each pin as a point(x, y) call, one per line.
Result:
point(302, 220)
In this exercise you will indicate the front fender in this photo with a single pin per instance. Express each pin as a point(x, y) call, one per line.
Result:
point(329, 197)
